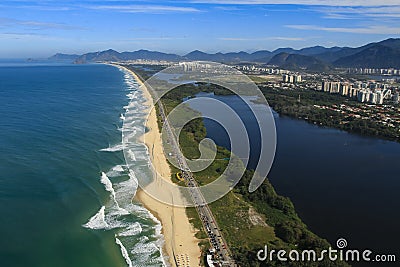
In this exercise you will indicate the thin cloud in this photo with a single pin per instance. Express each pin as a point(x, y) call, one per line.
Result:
point(36, 25)
point(144, 8)
point(45, 8)
point(144, 29)
point(302, 2)
point(280, 38)
point(154, 38)
point(359, 12)
point(228, 8)
point(338, 16)
point(27, 36)
point(359, 30)
point(17, 36)
point(40, 6)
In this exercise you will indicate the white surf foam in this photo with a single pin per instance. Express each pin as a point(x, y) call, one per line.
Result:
point(122, 214)
point(124, 252)
point(98, 220)
point(125, 192)
point(116, 171)
point(131, 155)
point(108, 186)
point(132, 95)
point(115, 148)
point(132, 230)
point(144, 248)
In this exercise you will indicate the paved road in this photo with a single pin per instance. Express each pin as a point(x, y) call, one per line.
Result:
point(210, 225)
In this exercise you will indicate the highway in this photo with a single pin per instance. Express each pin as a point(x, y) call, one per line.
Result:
point(217, 241)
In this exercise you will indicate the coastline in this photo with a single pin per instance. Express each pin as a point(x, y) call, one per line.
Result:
point(181, 245)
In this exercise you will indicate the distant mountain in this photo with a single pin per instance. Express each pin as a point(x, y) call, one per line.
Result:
point(308, 51)
point(108, 55)
point(112, 55)
point(63, 57)
point(233, 57)
point(336, 53)
point(295, 61)
point(199, 55)
point(284, 50)
point(261, 56)
point(384, 54)
point(149, 55)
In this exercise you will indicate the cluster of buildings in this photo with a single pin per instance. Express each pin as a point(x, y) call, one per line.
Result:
point(295, 78)
point(195, 66)
point(372, 92)
point(261, 70)
point(376, 97)
point(391, 71)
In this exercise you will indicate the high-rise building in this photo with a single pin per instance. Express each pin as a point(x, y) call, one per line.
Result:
point(344, 89)
point(396, 98)
point(297, 79)
point(326, 86)
point(373, 97)
point(362, 96)
point(291, 78)
point(334, 88)
point(380, 97)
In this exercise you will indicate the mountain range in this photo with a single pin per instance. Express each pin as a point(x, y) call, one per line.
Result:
point(384, 54)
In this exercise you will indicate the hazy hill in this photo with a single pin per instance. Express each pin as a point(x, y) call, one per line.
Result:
point(295, 61)
point(384, 54)
point(63, 57)
point(112, 55)
point(232, 57)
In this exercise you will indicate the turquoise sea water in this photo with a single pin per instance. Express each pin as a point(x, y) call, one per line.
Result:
point(65, 194)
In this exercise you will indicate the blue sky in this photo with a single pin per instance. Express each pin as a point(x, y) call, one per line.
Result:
point(42, 28)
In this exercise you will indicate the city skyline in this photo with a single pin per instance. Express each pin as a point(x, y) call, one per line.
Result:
point(180, 27)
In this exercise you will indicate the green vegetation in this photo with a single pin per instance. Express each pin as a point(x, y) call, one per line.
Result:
point(248, 221)
point(286, 102)
point(281, 228)
point(257, 79)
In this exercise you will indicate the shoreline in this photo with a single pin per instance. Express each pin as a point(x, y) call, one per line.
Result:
point(180, 244)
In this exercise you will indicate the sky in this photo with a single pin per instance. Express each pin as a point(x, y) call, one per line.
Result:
point(42, 28)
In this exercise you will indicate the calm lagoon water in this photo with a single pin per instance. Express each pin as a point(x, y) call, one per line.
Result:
point(343, 185)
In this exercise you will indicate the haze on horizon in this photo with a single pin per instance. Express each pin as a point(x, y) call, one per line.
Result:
point(42, 28)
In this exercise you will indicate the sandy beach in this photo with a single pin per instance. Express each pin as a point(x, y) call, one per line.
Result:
point(180, 241)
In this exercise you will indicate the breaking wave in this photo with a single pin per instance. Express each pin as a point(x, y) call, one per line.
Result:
point(125, 253)
point(137, 232)
point(116, 148)
point(97, 221)
point(108, 185)
point(116, 171)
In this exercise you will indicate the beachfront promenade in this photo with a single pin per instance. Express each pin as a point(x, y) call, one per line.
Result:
point(210, 225)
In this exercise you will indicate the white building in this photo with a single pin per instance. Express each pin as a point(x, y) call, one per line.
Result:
point(291, 78)
point(396, 98)
point(362, 96)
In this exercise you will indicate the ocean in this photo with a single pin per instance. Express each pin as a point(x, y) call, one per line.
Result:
point(65, 193)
